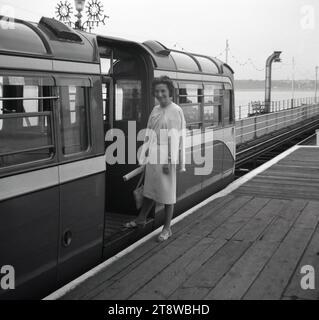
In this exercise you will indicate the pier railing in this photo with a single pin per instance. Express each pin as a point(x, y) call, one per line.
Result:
point(254, 127)
point(256, 108)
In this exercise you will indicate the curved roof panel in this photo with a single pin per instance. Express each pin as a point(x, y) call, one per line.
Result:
point(207, 64)
point(184, 62)
point(49, 38)
point(21, 38)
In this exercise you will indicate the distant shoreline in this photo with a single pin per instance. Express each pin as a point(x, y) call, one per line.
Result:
point(274, 89)
point(277, 85)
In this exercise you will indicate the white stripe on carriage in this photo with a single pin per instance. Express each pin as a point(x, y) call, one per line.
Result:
point(25, 183)
point(37, 180)
point(75, 170)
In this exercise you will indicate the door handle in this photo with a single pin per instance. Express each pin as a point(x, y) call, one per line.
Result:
point(67, 238)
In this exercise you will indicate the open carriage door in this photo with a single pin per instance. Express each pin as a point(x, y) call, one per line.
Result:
point(125, 113)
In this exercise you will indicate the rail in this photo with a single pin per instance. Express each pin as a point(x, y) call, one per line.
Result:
point(255, 127)
point(257, 107)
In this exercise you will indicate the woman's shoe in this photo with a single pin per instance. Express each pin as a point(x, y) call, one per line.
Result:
point(134, 224)
point(164, 235)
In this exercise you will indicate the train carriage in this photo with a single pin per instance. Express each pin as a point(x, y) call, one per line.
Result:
point(61, 92)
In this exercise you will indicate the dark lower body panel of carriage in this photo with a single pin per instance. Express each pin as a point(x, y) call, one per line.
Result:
point(35, 231)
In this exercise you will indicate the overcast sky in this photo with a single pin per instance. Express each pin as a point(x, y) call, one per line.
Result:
point(254, 28)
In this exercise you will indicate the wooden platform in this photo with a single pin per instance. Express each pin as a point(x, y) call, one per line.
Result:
point(249, 244)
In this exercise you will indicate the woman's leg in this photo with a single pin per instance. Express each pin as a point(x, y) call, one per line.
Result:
point(169, 210)
point(148, 205)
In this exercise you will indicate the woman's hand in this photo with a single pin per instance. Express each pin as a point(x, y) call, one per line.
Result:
point(166, 169)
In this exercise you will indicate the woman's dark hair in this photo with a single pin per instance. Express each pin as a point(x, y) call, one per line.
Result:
point(163, 80)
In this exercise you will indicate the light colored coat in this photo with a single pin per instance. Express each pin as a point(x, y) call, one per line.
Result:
point(164, 144)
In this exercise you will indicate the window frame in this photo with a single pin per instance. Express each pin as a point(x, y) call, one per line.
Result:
point(115, 101)
point(196, 125)
point(231, 107)
point(51, 116)
point(220, 106)
point(88, 98)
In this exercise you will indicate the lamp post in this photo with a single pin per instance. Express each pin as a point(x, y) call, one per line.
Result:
point(275, 57)
point(316, 84)
point(94, 13)
point(79, 7)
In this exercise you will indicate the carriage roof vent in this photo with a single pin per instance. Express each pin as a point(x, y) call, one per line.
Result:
point(60, 30)
point(157, 47)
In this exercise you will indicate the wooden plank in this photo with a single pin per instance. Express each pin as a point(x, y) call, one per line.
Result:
point(254, 228)
point(293, 181)
point(239, 278)
point(283, 187)
point(237, 221)
point(125, 287)
point(275, 276)
point(167, 281)
point(279, 170)
point(285, 220)
point(131, 282)
point(278, 194)
point(215, 268)
point(189, 294)
point(309, 217)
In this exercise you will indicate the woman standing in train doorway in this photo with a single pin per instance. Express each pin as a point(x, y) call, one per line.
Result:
point(164, 149)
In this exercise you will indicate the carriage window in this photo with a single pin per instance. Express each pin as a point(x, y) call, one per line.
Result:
point(105, 66)
point(25, 119)
point(74, 119)
point(213, 98)
point(213, 93)
point(228, 108)
point(128, 103)
point(213, 115)
point(190, 99)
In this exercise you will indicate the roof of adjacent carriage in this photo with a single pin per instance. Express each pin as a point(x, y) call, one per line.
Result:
point(52, 39)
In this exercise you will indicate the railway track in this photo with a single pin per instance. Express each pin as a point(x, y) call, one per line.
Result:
point(255, 155)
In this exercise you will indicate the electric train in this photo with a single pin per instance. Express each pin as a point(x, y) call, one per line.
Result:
point(61, 90)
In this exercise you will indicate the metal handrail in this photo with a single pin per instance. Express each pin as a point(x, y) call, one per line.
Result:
point(281, 105)
point(264, 128)
point(288, 109)
point(25, 115)
point(292, 117)
point(30, 98)
point(265, 115)
point(49, 146)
